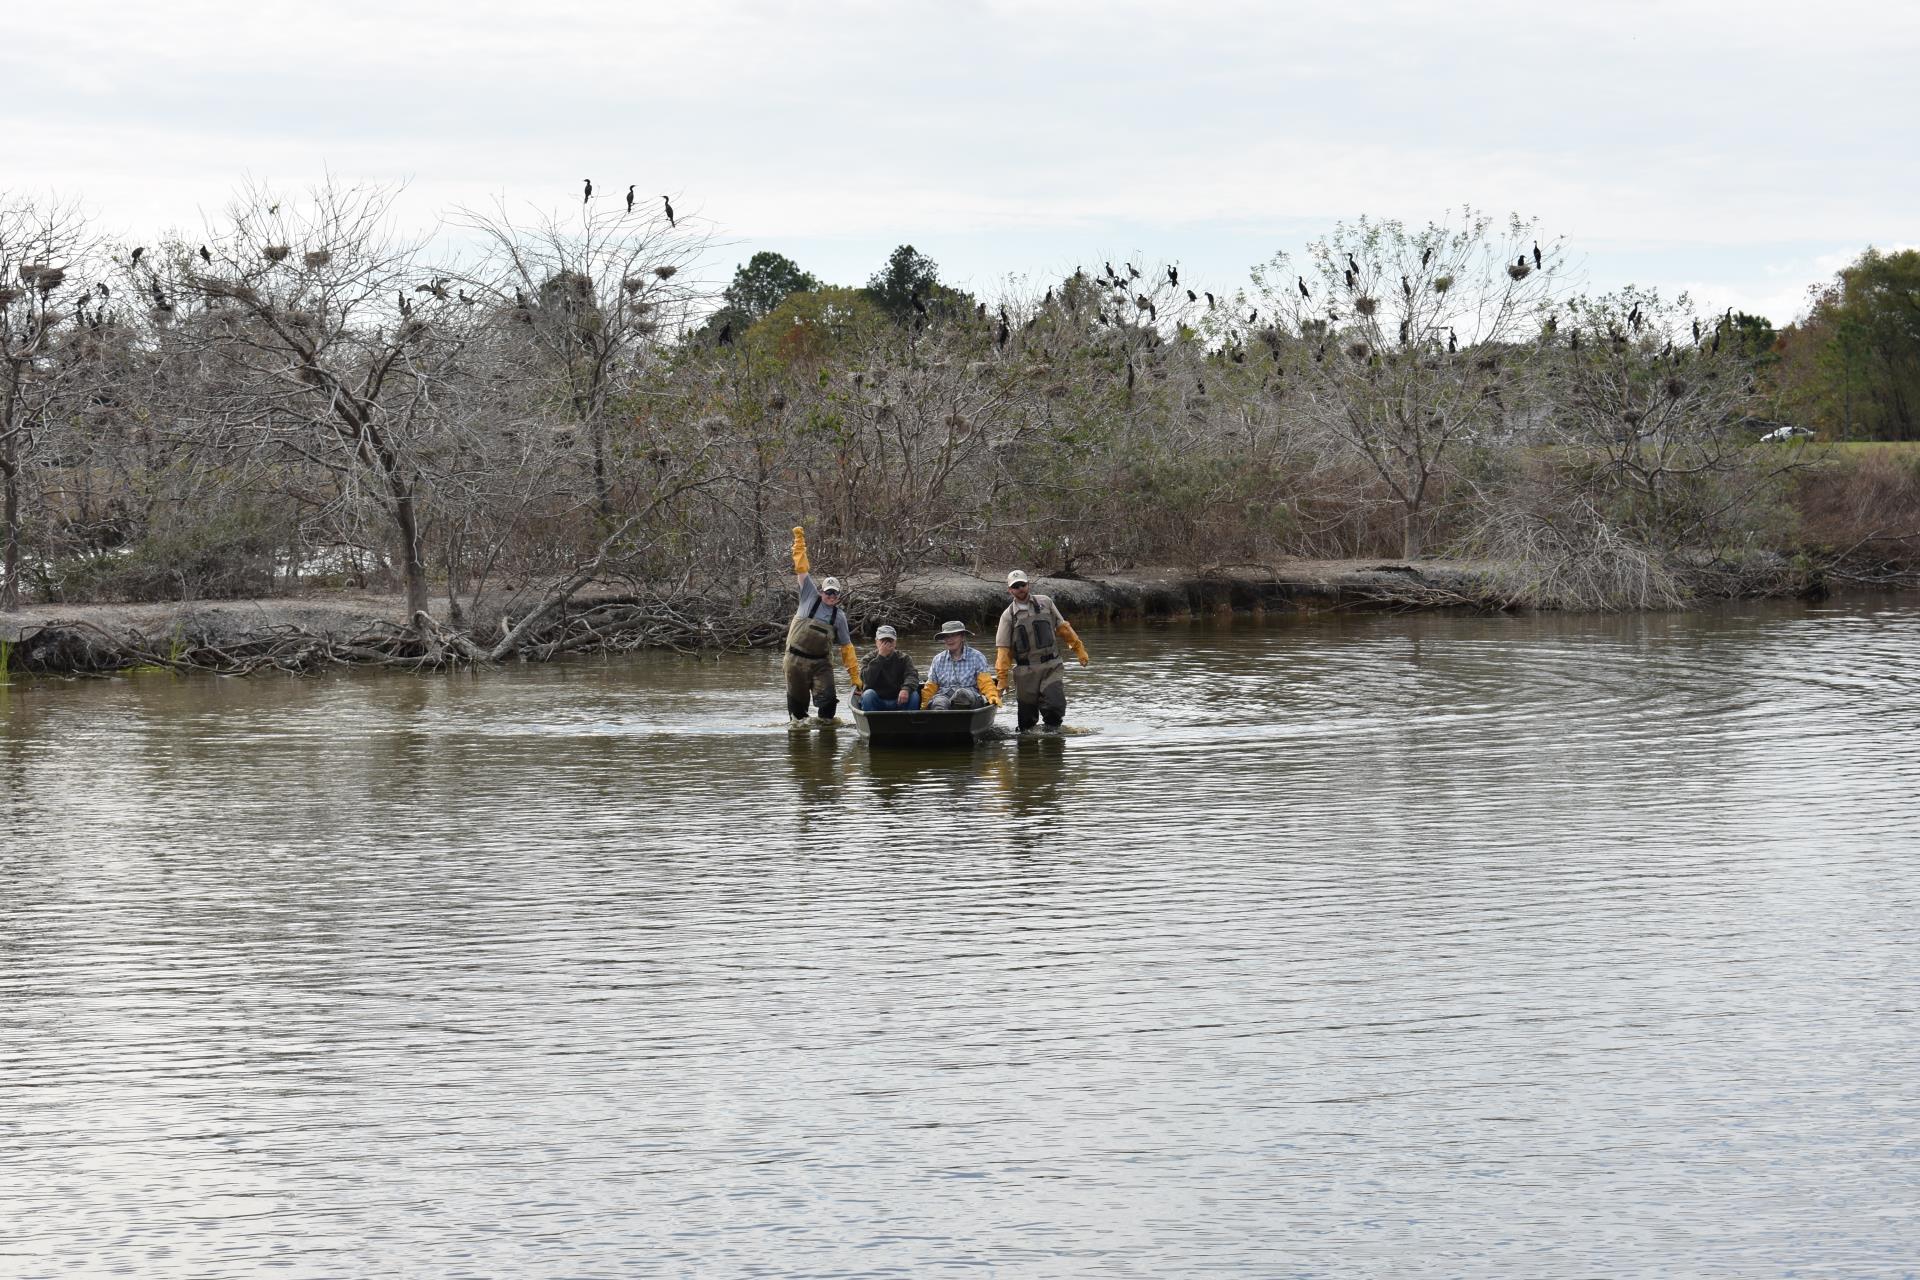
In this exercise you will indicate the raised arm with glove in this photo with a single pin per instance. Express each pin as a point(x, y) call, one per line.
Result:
point(800, 561)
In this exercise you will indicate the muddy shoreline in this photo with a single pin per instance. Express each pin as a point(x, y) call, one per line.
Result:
point(324, 629)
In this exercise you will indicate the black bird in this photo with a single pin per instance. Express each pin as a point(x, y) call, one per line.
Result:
point(1191, 297)
point(1000, 338)
point(1453, 344)
point(588, 193)
point(1536, 253)
point(1520, 261)
point(136, 255)
point(1302, 282)
point(1716, 343)
point(1405, 329)
point(1129, 375)
point(1574, 340)
point(980, 312)
point(1553, 325)
point(1350, 280)
point(1253, 315)
point(669, 204)
point(1426, 256)
point(406, 303)
point(104, 291)
point(1111, 273)
point(205, 256)
point(1696, 329)
point(919, 307)
point(1133, 272)
point(1240, 355)
point(726, 334)
point(519, 298)
point(1210, 303)
point(1406, 286)
point(630, 188)
point(1353, 266)
point(1728, 318)
point(1048, 300)
point(1173, 275)
point(464, 298)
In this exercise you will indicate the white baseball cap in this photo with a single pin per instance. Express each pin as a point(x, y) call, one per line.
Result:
point(886, 633)
point(830, 584)
point(1018, 575)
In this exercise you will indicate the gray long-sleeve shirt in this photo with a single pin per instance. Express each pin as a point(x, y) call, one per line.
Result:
point(812, 606)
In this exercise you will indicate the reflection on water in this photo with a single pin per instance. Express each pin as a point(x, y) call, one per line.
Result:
point(1422, 945)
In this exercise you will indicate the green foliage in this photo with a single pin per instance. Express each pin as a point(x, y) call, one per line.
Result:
point(1852, 368)
point(763, 282)
point(230, 556)
point(909, 274)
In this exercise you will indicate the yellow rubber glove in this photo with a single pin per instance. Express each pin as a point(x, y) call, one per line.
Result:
point(851, 660)
point(1003, 667)
point(927, 691)
point(988, 689)
point(1072, 641)
point(800, 563)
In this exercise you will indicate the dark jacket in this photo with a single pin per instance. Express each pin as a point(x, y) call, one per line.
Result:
point(888, 676)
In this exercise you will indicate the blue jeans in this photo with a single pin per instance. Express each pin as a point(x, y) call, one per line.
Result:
point(872, 701)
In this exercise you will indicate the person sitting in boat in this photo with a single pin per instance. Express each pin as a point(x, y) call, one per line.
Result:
point(817, 625)
point(959, 678)
point(893, 682)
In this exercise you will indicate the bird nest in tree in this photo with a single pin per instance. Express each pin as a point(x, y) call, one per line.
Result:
point(667, 272)
point(1676, 387)
point(44, 278)
point(958, 422)
point(275, 252)
point(1442, 283)
point(214, 287)
point(634, 284)
point(645, 328)
point(317, 258)
point(7, 294)
point(1359, 350)
point(1366, 306)
point(1519, 271)
point(777, 401)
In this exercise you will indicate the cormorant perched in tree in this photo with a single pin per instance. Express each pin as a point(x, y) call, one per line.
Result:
point(1302, 282)
point(1426, 256)
point(669, 206)
point(104, 291)
point(1453, 344)
point(588, 193)
point(919, 307)
point(1716, 342)
point(1253, 315)
point(1405, 328)
point(205, 256)
point(1133, 272)
point(1111, 273)
point(1536, 253)
point(726, 334)
point(1352, 265)
point(1000, 339)
point(138, 250)
point(980, 312)
point(1696, 329)
point(406, 303)
point(1210, 303)
point(1728, 318)
point(1406, 287)
point(1553, 325)
point(630, 187)
point(519, 298)
point(1350, 279)
point(1173, 275)
point(1191, 297)
point(1129, 375)
point(1048, 300)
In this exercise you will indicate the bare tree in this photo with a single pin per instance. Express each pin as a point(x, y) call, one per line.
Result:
point(45, 251)
point(1409, 345)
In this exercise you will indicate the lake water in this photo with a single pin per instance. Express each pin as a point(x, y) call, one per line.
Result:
point(1420, 945)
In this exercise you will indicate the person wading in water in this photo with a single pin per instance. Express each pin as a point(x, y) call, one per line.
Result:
point(818, 626)
point(1028, 643)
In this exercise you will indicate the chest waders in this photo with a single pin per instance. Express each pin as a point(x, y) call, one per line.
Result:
point(809, 641)
point(1037, 664)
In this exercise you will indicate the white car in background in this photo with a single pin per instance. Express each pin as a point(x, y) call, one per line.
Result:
point(1787, 433)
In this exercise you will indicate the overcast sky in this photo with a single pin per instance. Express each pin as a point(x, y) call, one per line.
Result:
point(1741, 152)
